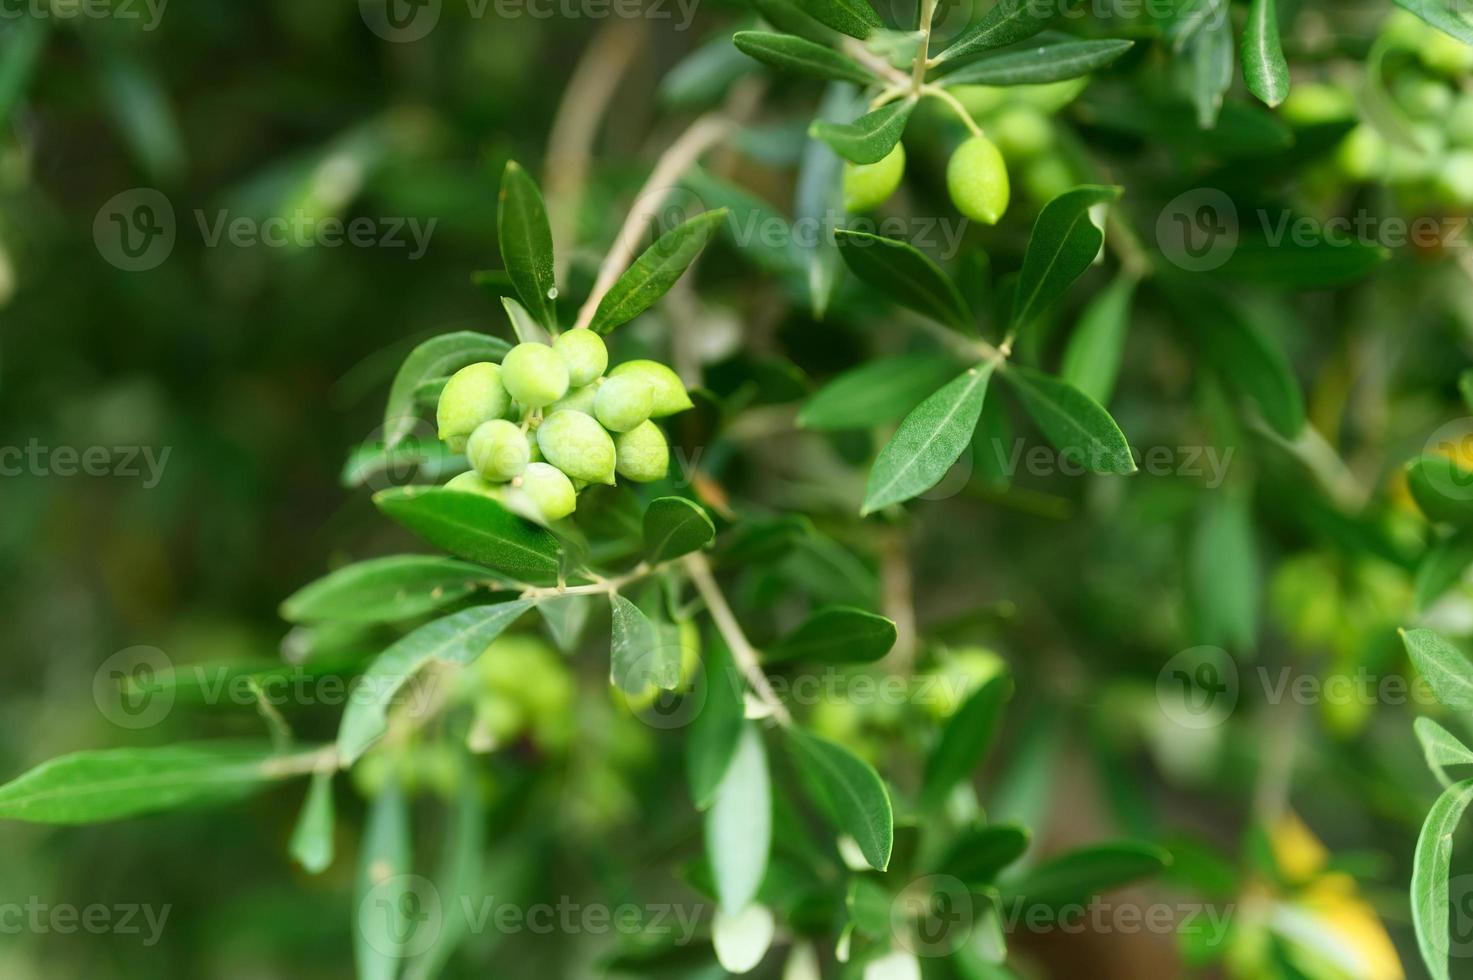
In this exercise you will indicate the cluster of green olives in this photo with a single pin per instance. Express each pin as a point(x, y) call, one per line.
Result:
point(976, 177)
point(547, 421)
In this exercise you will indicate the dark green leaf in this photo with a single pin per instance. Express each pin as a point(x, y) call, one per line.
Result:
point(906, 276)
point(1008, 22)
point(655, 271)
point(979, 853)
point(526, 244)
point(1447, 17)
point(838, 635)
point(1222, 578)
point(853, 17)
point(459, 882)
point(870, 137)
point(1442, 567)
point(739, 824)
point(1064, 243)
point(1442, 666)
point(1249, 361)
point(435, 358)
point(1081, 875)
point(1072, 421)
point(1430, 866)
point(1039, 65)
point(312, 839)
point(384, 894)
point(965, 739)
point(929, 441)
point(1092, 359)
point(674, 526)
point(804, 57)
point(715, 730)
point(477, 528)
point(1210, 56)
point(850, 793)
point(880, 391)
point(1298, 262)
point(383, 590)
point(1442, 489)
point(1265, 68)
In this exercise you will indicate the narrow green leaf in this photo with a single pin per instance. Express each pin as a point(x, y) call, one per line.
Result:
point(1040, 65)
point(1430, 867)
point(979, 853)
point(1441, 748)
point(965, 739)
point(853, 17)
point(476, 528)
point(425, 459)
point(655, 271)
point(718, 726)
point(88, 787)
point(1281, 258)
point(1248, 360)
point(384, 893)
point(1064, 243)
point(907, 276)
point(524, 326)
point(1080, 875)
point(526, 243)
point(1442, 666)
point(638, 657)
point(1008, 22)
point(1442, 489)
point(312, 839)
point(1223, 579)
point(876, 392)
point(1210, 56)
point(818, 201)
point(1465, 388)
point(870, 137)
point(837, 635)
point(674, 526)
point(456, 639)
point(1443, 15)
point(383, 590)
point(739, 824)
point(929, 441)
point(1442, 567)
point(1073, 423)
point(1092, 359)
point(1265, 68)
point(459, 882)
point(565, 617)
point(436, 358)
point(804, 57)
point(850, 792)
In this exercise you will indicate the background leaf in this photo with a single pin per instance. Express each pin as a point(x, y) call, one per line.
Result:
point(965, 739)
point(1092, 359)
point(929, 441)
point(639, 657)
point(312, 839)
point(1081, 875)
point(874, 393)
point(739, 824)
point(382, 895)
point(717, 727)
point(850, 792)
point(837, 635)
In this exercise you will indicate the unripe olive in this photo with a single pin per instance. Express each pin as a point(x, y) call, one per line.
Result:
point(576, 444)
point(623, 402)
point(1406, 165)
point(1423, 97)
point(534, 374)
point(868, 185)
point(472, 482)
point(977, 178)
point(473, 395)
point(669, 393)
point(584, 353)
point(1049, 97)
point(1446, 55)
point(543, 493)
point(1363, 154)
point(1047, 177)
point(576, 400)
point(1460, 121)
point(1455, 179)
point(644, 455)
point(1313, 103)
point(1021, 132)
point(498, 450)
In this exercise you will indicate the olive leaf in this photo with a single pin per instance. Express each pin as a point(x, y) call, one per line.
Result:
point(870, 137)
point(1431, 863)
point(1265, 68)
point(1442, 666)
point(1008, 22)
point(458, 881)
point(639, 656)
point(477, 528)
point(1442, 567)
point(965, 739)
point(874, 393)
point(978, 854)
point(674, 526)
point(312, 838)
point(1442, 489)
point(1083, 874)
point(1284, 258)
point(837, 635)
point(1441, 748)
point(853, 17)
point(433, 359)
point(738, 824)
point(525, 239)
point(1064, 243)
point(1039, 65)
point(1222, 574)
point(383, 894)
point(717, 727)
point(850, 792)
point(1248, 360)
point(523, 326)
point(422, 458)
point(905, 275)
point(1210, 57)
point(657, 269)
point(804, 57)
point(1442, 15)
point(929, 441)
point(383, 590)
point(456, 639)
point(1073, 423)
point(1092, 359)
point(818, 201)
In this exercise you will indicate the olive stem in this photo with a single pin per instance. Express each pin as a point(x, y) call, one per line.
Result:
point(888, 95)
point(867, 58)
point(599, 586)
point(918, 69)
point(936, 92)
point(970, 348)
point(742, 651)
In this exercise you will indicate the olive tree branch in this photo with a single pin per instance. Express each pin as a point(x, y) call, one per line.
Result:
point(856, 50)
point(742, 651)
point(599, 585)
point(918, 68)
point(937, 92)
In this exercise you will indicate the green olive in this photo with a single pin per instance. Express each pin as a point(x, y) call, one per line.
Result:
point(1315, 103)
point(1446, 55)
point(584, 353)
point(1021, 132)
point(644, 455)
point(543, 493)
point(534, 374)
point(576, 400)
point(1455, 181)
point(1047, 177)
point(868, 185)
point(1422, 97)
point(669, 393)
point(498, 450)
point(473, 395)
point(1363, 154)
point(1460, 121)
point(576, 444)
point(977, 178)
point(623, 402)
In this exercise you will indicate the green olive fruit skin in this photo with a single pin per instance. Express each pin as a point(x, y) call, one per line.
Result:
point(576, 444)
point(584, 354)
point(498, 450)
point(977, 178)
point(473, 395)
point(669, 394)
point(868, 185)
point(1446, 55)
point(473, 482)
point(644, 455)
point(1363, 154)
point(623, 402)
point(576, 400)
point(1422, 97)
point(534, 374)
point(1455, 181)
point(1021, 132)
point(543, 493)
point(1314, 103)
point(1048, 177)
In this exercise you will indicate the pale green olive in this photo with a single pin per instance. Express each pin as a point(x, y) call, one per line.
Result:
point(534, 374)
point(498, 450)
point(1455, 179)
point(543, 493)
point(1316, 103)
point(1363, 154)
point(1021, 132)
point(623, 402)
point(584, 353)
point(1047, 177)
point(644, 455)
point(473, 395)
point(868, 185)
point(669, 393)
point(576, 444)
point(977, 178)
point(576, 400)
